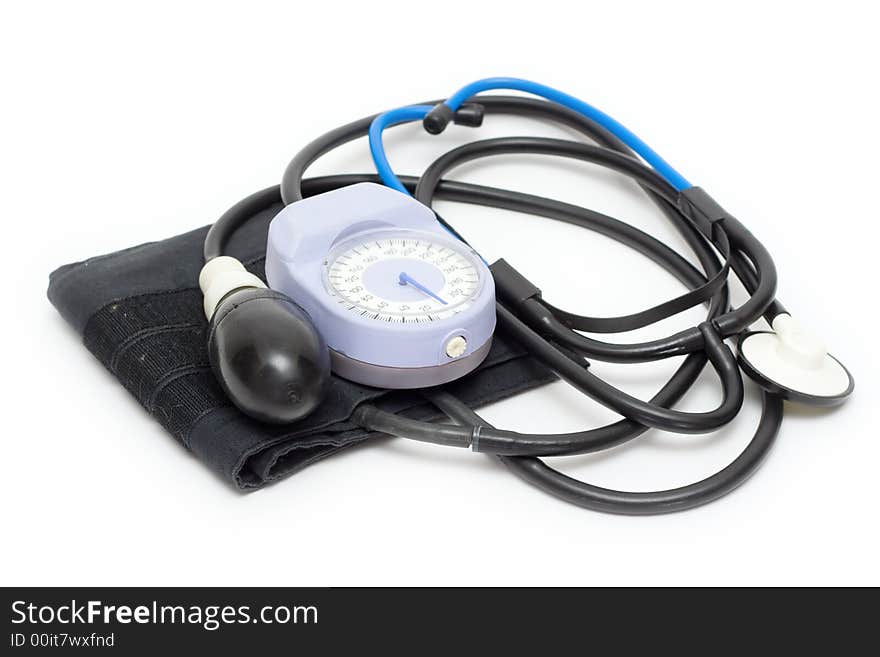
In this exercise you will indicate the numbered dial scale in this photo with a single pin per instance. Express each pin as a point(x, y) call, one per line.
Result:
point(403, 277)
point(400, 302)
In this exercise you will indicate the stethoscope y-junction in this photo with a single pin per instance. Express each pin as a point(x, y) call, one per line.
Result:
point(365, 280)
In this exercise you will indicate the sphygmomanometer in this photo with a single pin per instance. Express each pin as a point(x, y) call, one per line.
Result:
point(365, 283)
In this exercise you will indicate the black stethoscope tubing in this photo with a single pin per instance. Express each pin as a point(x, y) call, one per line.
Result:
point(747, 258)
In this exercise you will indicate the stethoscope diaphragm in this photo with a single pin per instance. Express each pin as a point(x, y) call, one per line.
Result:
point(794, 363)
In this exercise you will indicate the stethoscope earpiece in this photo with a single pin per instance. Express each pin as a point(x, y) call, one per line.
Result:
point(792, 362)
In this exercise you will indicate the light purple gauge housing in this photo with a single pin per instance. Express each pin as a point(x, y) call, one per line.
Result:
point(400, 302)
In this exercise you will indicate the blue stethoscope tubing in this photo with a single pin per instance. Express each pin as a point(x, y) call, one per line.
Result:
point(454, 102)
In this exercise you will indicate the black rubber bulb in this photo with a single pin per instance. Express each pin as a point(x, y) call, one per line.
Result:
point(269, 357)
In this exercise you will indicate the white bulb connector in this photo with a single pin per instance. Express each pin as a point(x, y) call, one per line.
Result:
point(219, 277)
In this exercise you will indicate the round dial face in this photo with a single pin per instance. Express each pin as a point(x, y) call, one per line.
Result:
point(404, 277)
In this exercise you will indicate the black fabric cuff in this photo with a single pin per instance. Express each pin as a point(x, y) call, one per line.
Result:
point(140, 313)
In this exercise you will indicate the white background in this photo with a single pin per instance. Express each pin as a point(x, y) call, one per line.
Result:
point(123, 124)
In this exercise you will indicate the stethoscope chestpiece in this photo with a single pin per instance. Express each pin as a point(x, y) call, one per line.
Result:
point(794, 363)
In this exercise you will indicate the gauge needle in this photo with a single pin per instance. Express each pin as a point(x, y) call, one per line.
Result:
point(404, 279)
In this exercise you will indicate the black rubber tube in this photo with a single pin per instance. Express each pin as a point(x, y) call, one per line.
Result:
point(643, 412)
point(596, 498)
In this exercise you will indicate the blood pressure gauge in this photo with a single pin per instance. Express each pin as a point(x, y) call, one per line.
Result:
point(399, 301)
point(401, 276)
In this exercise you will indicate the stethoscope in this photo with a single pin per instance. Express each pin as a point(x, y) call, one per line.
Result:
point(366, 281)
